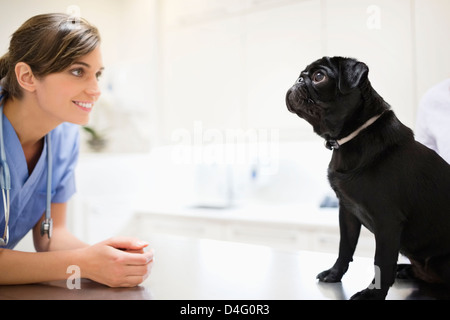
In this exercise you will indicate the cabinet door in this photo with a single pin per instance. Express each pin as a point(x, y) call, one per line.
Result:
point(202, 76)
point(281, 237)
point(279, 44)
point(378, 33)
point(147, 224)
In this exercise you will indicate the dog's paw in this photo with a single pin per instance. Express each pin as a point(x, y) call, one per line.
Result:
point(370, 294)
point(330, 275)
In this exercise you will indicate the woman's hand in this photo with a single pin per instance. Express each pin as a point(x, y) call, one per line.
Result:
point(117, 262)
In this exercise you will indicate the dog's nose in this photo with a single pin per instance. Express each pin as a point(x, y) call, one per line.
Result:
point(300, 80)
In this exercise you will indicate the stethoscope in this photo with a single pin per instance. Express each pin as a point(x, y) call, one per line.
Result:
point(5, 182)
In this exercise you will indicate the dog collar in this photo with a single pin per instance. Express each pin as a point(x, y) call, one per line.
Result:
point(335, 144)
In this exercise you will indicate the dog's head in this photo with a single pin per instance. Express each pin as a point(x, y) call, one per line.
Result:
point(328, 95)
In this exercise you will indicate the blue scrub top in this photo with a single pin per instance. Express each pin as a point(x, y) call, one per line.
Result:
point(29, 192)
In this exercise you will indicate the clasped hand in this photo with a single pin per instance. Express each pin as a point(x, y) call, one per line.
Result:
point(118, 262)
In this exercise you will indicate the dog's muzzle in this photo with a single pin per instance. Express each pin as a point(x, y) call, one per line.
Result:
point(295, 98)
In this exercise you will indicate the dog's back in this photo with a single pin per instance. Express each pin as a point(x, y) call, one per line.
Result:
point(426, 189)
point(408, 183)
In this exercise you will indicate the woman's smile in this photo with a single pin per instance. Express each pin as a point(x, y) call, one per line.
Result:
point(85, 106)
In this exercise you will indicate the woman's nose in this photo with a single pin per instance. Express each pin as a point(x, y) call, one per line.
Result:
point(94, 89)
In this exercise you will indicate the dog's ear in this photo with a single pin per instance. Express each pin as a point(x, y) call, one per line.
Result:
point(351, 74)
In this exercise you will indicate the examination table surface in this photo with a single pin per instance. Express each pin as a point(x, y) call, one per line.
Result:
point(202, 269)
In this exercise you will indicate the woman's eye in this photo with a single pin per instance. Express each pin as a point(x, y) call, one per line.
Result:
point(318, 77)
point(77, 72)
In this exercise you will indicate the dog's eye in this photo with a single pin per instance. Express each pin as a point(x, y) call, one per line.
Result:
point(318, 77)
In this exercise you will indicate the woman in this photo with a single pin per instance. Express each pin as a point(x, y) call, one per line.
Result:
point(433, 117)
point(49, 85)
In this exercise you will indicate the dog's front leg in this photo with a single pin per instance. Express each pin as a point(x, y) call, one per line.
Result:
point(387, 241)
point(349, 227)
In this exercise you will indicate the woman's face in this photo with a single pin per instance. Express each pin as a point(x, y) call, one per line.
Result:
point(69, 96)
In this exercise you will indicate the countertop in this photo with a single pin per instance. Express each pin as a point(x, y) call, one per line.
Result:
point(203, 269)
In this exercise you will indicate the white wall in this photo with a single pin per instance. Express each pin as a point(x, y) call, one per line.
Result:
point(230, 63)
point(432, 45)
point(227, 64)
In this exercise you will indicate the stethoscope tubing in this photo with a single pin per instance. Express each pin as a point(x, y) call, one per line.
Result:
point(6, 206)
point(5, 182)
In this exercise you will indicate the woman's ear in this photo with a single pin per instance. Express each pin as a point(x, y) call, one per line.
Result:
point(25, 77)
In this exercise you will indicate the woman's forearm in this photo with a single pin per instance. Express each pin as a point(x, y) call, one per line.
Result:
point(61, 239)
point(29, 267)
point(116, 262)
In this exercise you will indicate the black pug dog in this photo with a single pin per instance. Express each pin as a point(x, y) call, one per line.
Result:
point(384, 179)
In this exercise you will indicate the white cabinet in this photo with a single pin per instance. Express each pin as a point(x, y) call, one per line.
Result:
point(432, 26)
point(229, 63)
point(202, 76)
point(279, 43)
point(144, 225)
point(270, 235)
point(379, 33)
point(229, 226)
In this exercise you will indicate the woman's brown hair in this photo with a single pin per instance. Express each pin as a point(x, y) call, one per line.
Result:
point(48, 43)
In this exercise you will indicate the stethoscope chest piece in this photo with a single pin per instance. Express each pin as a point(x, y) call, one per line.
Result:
point(5, 238)
point(47, 227)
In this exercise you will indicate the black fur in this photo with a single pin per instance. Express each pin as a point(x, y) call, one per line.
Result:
point(384, 179)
